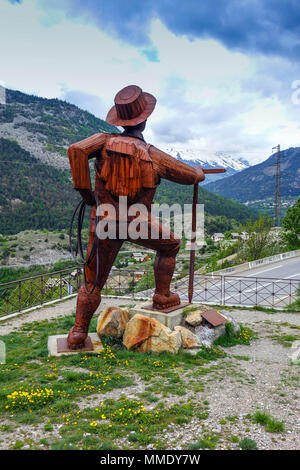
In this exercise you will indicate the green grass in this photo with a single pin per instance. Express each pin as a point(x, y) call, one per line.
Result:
point(285, 340)
point(270, 424)
point(208, 441)
point(247, 444)
point(265, 309)
point(122, 418)
point(294, 306)
point(231, 338)
point(39, 390)
point(241, 358)
point(238, 307)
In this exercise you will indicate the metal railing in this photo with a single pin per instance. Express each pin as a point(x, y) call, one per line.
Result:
point(23, 294)
point(243, 291)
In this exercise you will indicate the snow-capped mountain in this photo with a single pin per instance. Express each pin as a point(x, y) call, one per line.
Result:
point(220, 159)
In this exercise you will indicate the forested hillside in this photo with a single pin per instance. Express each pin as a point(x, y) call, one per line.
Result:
point(33, 195)
point(214, 203)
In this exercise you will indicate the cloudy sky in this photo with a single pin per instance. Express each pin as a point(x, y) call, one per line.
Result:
point(226, 74)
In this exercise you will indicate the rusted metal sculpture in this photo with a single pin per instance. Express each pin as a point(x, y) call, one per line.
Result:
point(125, 166)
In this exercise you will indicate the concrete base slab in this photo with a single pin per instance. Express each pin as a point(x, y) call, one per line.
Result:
point(52, 345)
point(170, 319)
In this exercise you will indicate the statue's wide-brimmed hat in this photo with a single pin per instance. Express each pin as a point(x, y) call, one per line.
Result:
point(132, 106)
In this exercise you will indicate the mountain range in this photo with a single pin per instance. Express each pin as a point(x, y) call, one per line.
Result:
point(257, 183)
point(206, 160)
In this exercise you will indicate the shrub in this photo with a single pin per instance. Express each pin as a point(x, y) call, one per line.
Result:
point(230, 331)
point(230, 338)
point(266, 420)
point(247, 444)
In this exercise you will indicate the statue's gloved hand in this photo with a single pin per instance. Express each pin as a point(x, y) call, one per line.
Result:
point(200, 174)
point(88, 196)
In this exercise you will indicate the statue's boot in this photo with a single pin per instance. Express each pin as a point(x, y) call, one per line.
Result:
point(87, 304)
point(162, 301)
point(164, 266)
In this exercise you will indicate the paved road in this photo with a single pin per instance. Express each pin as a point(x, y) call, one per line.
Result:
point(285, 269)
point(270, 286)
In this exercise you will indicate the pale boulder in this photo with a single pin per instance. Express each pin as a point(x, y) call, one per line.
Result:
point(194, 318)
point(188, 339)
point(148, 334)
point(112, 321)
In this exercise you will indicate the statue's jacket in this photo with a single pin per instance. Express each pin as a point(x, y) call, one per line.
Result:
point(125, 166)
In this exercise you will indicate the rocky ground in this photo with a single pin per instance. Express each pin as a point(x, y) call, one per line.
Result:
point(33, 143)
point(228, 391)
point(43, 247)
point(34, 247)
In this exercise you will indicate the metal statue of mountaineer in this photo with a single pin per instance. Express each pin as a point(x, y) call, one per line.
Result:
point(125, 166)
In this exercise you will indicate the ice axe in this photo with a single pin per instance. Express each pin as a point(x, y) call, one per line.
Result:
point(193, 235)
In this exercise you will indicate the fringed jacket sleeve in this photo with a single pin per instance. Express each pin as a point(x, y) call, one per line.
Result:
point(171, 169)
point(79, 155)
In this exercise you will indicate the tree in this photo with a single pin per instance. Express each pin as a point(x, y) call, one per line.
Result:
point(257, 245)
point(291, 227)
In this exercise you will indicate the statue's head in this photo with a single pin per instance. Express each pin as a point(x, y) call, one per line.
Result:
point(132, 108)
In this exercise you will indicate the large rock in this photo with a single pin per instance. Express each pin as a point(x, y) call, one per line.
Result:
point(207, 336)
point(112, 321)
point(148, 334)
point(194, 318)
point(188, 339)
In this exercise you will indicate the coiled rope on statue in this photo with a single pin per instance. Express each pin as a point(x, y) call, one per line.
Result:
point(85, 260)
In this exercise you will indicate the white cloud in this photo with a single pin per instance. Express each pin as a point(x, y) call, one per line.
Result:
point(208, 97)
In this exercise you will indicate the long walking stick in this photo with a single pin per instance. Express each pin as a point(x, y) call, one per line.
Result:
point(193, 238)
point(193, 244)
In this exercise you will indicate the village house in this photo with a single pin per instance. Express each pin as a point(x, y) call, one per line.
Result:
point(218, 237)
point(138, 275)
point(244, 236)
point(140, 257)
